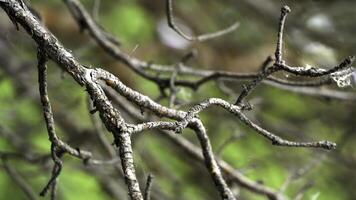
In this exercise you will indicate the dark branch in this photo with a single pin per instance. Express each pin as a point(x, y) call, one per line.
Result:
point(278, 54)
point(149, 181)
point(200, 38)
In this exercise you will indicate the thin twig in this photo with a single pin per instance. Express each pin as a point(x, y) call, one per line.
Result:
point(173, 88)
point(111, 117)
point(195, 152)
point(96, 9)
point(19, 180)
point(200, 38)
point(316, 72)
point(139, 66)
point(149, 181)
point(48, 115)
point(265, 72)
point(278, 54)
point(57, 168)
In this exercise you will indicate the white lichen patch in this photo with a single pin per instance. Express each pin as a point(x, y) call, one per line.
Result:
point(344, 77)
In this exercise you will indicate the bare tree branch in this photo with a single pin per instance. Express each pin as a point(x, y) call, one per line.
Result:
point(200, 38)
point(18, 179)
point(194, 151)
point(149, 181)
point(278, 54)
point(94, 81)
point(140, 67)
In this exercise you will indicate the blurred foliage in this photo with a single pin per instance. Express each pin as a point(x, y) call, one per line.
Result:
point(130, 22)
point(76, 183)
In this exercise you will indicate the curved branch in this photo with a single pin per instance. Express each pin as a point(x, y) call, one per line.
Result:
point(199, 38)
point(194, 151)
point(235, 110)
point(140, 67)
point(112, 118)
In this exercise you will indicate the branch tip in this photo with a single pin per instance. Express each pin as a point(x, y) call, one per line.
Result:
point(328, 145)
point(286, 9)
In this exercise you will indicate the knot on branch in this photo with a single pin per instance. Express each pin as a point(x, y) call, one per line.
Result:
point(286, 9)
point(180, 126)
point(327, 145)
point(246, 106)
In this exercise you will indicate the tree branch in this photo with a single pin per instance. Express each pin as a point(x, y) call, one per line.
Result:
point(200, 38)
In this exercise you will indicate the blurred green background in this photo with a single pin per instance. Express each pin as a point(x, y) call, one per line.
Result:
point(318, 33)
